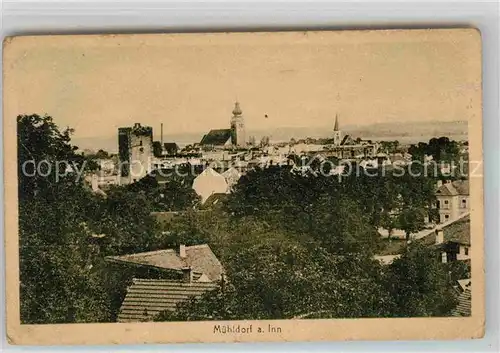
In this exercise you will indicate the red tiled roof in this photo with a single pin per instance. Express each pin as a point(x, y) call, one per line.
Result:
point(146, 298)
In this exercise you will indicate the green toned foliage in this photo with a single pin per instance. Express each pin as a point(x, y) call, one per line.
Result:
point(441, 149)
point(292, 245)
point(419, 284)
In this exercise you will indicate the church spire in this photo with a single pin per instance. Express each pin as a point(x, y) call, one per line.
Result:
point(336, 126)
point(237, 109)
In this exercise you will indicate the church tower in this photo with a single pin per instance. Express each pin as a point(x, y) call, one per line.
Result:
point(337, 134)
point(238, 137)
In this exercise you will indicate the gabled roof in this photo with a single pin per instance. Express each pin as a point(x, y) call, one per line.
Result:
point(458, 232)
point(146, 298)
point(464, 284)
point(170, 146)
point(458, 187)
point(232, 175)
point(216, 137)
point(347, 140)
point(464, 304)
point(199, 258)
point(454, 231)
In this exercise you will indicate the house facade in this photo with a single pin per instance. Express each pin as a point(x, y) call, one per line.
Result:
point(452, 200)
point(209, 182)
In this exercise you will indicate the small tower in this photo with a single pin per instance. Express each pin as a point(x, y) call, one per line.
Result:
point(337, 134)
point(238, 137)
point(135, 149)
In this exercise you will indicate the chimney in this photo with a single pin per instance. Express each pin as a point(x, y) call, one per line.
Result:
point(161, 133)
point(439, 183)
point(187, 275)
point(182, 251)
point(439, 236)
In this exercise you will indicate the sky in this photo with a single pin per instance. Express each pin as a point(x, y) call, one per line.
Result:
point(190, 82)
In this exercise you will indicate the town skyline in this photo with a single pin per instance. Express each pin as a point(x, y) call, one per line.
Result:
point(246, 176)
point(422, 132)
point(190, 85)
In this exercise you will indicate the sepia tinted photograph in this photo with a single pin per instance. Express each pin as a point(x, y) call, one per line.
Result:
point(246, 182)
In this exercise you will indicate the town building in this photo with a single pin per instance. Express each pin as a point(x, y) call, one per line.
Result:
point(464, 298)
point(170, 149)
point(232, 176)
point(452, 199)
point(343, 146)
point(453, 240)
point(164, 278)
point(209, 182)
point(135, 150)
point(450, 240)
point(147, 298)
point(234, 137)
point(238, 127)
point(195, 263)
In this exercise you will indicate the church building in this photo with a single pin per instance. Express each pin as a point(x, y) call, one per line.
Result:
point(234, 137)
point(345, 147)
point(337, 134)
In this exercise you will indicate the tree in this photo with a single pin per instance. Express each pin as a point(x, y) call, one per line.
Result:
point(389, 146)
point(157, 149)
point(411, 220)
point(419, 284)
point(61, 278)
point(281, 279)
point(58, 281)
point(441, 149)
point(45, 156)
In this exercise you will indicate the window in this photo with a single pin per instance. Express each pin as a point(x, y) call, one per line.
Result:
point(445, 202)
point(446, 216)
point(464, 203)
point(466, 251)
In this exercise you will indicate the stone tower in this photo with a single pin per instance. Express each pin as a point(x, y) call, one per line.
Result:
point(337, 134)
point(135, 149)
point(238, 137)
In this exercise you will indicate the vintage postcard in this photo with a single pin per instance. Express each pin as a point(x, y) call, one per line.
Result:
point(238, 187)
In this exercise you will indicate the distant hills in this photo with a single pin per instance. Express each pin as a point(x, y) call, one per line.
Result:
point(406, 132)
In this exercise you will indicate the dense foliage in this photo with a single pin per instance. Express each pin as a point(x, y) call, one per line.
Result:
point(292, 245)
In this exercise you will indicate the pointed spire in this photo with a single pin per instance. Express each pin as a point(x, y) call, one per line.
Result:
point(237, 109)
point(336, 126)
